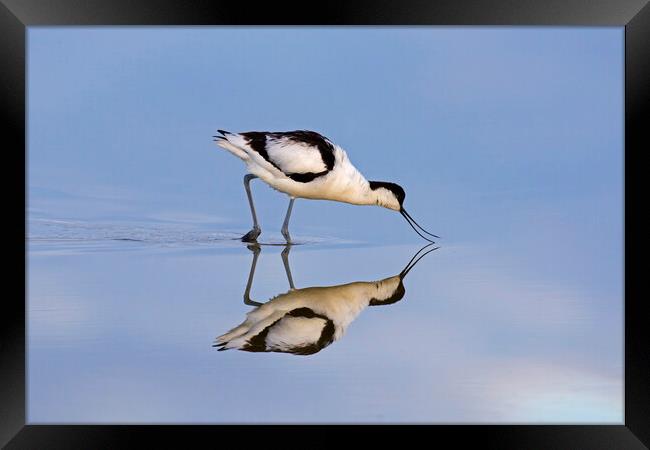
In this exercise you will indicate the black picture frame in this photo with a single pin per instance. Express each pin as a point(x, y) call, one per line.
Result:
point(16, 15)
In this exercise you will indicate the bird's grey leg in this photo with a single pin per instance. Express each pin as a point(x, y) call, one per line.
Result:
point(287, 269)
point(247, 293)
point(251, 236)
point(285, 225)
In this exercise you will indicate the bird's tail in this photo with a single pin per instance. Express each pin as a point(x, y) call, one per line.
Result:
point(224, 136)
point(226, 141)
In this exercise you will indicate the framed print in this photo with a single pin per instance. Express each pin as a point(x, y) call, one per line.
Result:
point(211, 238)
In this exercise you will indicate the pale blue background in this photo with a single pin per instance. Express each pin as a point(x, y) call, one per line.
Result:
point(508, 141)
point(468, 120)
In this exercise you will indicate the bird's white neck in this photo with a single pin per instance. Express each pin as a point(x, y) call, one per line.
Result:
point(365, 195)
point(359, 192)
point(350, 186)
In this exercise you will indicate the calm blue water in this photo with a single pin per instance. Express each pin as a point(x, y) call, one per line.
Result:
point(122, 331)
point(508, 142)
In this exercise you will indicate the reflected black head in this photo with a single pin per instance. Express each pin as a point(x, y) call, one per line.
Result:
point(394, 298)
point(393, 187)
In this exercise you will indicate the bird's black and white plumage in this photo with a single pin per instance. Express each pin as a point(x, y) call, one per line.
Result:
point(302, 155)
point(304, 321)
point(305, 164)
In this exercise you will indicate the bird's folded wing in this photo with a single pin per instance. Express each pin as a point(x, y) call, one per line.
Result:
point(294, 157)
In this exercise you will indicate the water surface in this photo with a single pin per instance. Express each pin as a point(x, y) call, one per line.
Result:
point(121, 330)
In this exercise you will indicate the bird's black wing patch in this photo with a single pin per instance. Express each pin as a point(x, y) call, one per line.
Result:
point(258, 342)
point(257, 141)
point(307, 176)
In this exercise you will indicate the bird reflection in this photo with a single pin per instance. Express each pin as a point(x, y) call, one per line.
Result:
point(306, 320)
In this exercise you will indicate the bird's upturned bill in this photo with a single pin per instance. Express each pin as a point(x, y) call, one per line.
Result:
point(413, 224)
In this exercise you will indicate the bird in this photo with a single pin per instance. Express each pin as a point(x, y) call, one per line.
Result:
point(305, 164)
point(306, 320)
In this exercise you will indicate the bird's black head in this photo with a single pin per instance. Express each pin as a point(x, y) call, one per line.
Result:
point(391, 290)
point(389, 195)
